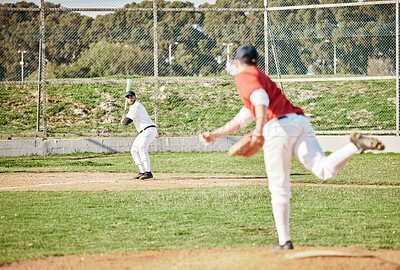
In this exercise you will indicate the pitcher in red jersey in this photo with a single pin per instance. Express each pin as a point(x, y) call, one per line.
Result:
point(286, 132)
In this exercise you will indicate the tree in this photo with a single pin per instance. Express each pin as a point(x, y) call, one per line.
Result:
point(300, 38)
point(66, 36)
point(110, 58)
point(19, 31)
point(65, 32)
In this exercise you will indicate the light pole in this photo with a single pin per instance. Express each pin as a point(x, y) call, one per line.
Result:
point(334, 58)
point(219, 59)
point(227, 51)
point(170, 57)
point(22, 64)
point(334, 55)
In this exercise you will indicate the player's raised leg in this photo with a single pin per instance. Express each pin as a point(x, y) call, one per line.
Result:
point(310, 154)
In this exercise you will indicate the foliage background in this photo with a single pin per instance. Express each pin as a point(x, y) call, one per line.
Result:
point(312, 43)
point(121, 43)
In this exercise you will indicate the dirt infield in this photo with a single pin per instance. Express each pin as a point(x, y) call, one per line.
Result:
point(300, 258)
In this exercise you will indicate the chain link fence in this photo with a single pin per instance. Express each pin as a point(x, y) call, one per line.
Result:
point(63, 70)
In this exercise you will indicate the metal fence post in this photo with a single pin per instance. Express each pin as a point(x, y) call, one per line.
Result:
point(397, 69)
point(266, 55)
point(155, 42)
point(276, 57)
point(43, 69)
point(38, 87)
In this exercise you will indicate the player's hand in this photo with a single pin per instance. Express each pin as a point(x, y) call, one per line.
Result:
point(255, 145)
point(207, 137)
point(123, 116)
point(256, 139)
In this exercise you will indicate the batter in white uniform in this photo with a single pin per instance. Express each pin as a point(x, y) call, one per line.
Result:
point(287, 132)
point(147, 132)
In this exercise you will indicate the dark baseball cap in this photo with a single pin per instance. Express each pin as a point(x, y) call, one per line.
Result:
point(130, 93)
point(247, 54)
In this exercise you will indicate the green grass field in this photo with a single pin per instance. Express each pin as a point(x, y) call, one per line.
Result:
point(35, 224)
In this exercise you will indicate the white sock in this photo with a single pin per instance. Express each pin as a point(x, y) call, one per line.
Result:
point(141, 167)
point(281, 213)
point(146, 165)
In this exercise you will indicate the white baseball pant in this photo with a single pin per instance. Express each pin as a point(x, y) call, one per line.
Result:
point(290, 136)
point(140, 148)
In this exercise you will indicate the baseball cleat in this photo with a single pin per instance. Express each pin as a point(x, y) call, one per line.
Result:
point(138, 176)
point(146, 175)
point(286, 246)
point(366, 143)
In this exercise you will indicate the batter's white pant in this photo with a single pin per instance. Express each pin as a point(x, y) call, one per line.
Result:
point(294, 136)
point(140, 148)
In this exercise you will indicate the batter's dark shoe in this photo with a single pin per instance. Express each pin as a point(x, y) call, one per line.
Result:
point(138, 176)
point(146, 175)
point(366, 143)
point(286, 246)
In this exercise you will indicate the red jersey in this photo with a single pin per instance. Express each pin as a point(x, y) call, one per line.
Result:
point(251, 79)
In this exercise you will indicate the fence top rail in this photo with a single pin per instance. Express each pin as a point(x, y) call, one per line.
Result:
point(335, 5)
point(177, 81)
point(369, 78)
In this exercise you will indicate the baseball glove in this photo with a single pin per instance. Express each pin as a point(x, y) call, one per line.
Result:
point(248, 146)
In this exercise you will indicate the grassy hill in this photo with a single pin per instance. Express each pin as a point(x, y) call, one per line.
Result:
point(193, 107)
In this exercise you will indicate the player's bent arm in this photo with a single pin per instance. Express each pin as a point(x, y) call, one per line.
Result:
point(229, 128)
point(241, 120)
point(208, 137)
point(261, 113)
point(126, 121)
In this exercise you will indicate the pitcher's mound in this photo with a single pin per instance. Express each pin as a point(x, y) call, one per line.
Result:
point(301, 258)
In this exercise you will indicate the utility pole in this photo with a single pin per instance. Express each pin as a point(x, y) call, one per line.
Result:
point(22, 64)
point(227, 51)
point(170, 57)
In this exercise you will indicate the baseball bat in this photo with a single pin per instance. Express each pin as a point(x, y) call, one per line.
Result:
point(128, 87)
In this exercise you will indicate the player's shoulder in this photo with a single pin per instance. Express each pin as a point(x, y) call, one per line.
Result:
point(249, 72)
point(250, 76)
point(136, 104)
point(139, 105)
point(134, 107)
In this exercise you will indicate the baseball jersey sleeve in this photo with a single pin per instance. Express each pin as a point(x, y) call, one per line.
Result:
point(132, 112)
point(244, 117)
point(259, 96)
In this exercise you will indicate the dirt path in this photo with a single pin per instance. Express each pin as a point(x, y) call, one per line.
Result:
point(115, 181)
point(68, 181)
point(301, 258)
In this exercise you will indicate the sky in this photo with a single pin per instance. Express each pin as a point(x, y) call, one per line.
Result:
point(97, 4)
